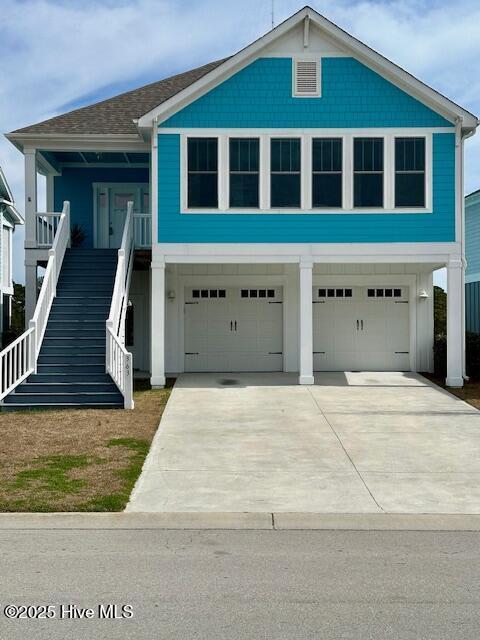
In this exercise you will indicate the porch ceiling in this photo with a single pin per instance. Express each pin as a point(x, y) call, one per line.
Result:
point(96, 158)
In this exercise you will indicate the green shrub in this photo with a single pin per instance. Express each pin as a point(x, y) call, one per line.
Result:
point(472, 352)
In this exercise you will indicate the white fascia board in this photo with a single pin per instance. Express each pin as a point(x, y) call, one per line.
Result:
point(12, 211)
point(5, 187)
point(74, 142)
point(359, 50)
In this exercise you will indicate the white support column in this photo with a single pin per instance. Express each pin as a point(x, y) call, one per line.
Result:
point(50, 192)
point(454, 324)
point(157, 328)
point(30, 196)
point(30, 290)
point(306, 322)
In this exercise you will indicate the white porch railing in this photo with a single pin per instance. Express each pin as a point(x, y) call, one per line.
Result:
point(118, 360)
point(19, 359)
point(46, 225)
point(142, 230)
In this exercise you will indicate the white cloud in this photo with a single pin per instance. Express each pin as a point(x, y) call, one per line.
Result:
point(55, 53)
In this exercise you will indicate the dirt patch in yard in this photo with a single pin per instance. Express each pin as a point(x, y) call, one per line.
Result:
point(470, 392)
point(79, 460)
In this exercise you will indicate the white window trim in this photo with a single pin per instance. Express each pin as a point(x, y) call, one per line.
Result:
point(306, 58)
point(306, 170)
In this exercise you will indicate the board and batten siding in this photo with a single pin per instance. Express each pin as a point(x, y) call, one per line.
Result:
point(472, 307)
point(472, 254)
point(472, 233)
point(260, 95)
point(438, 226)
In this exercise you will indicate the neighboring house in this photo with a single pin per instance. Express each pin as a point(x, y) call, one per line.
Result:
point(472, 253)
point(291, 203)
point(9, 218)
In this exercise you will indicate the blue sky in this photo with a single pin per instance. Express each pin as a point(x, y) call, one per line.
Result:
point(61, 54)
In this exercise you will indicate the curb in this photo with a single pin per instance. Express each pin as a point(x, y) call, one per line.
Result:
point(242, 521)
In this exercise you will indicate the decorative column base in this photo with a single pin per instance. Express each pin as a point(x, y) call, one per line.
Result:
point(454, 382)
point(306, 380)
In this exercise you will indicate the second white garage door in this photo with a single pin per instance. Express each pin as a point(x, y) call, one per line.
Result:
point(361, 329)
point(233, 329)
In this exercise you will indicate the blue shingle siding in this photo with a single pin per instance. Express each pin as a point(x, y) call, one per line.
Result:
point(75, 185)
point(438, 226)
point(260, 95)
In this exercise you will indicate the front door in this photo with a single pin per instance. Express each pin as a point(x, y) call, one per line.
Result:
point(119, 199)
point(111, 210)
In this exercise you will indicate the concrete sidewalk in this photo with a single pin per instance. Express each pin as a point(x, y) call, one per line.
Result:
point(352, 443)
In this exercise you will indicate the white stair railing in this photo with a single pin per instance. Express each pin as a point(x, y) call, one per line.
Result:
point(118, 361)
point(142, 230)
point(19, 359)
point(46, 225)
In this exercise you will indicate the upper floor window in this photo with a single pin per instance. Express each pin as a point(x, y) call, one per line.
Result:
point(409, 172)
point(368, 172)
point(203, 172)
point(244, 172)
point(285, 166)
point(327, 172)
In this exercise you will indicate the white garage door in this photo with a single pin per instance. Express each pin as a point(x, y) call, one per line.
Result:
point(233, 329)
point(361, 329)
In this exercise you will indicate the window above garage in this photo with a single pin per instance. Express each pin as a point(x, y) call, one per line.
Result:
point(247, 172)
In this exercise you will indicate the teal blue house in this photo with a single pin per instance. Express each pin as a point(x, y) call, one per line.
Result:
point(472, 254)
point(280, 210)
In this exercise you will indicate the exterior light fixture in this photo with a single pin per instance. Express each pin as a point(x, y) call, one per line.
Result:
point(423, 295)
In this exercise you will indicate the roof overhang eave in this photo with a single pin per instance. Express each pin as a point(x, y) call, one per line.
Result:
point(82, 141)
point(13, 211)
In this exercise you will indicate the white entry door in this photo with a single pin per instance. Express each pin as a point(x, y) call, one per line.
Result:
point(361, 329)
point(233, 329)
point(111, 201)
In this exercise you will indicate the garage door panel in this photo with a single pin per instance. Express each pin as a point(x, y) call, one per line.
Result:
point(241, 332)
point(367, 331)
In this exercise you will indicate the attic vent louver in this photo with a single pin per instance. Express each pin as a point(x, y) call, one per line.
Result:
point(307, 78)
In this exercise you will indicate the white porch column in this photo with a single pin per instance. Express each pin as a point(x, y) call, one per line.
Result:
point(30, 196)
point(157, 327)
point(306, 322)
point(454, 324)
point(30, 290)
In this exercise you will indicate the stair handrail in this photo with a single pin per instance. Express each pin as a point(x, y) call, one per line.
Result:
point(118, 361)
point(19, 359)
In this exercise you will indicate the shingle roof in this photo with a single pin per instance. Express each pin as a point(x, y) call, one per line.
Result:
point(116, 115)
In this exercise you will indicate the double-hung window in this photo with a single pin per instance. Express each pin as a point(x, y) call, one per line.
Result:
point(409, 172)
point(202, 173)
point(244, 172)
point(285, 170)
point(368, 172)
point(326, 172)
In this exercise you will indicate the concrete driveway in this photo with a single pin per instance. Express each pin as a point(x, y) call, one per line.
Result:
point(353, 443)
